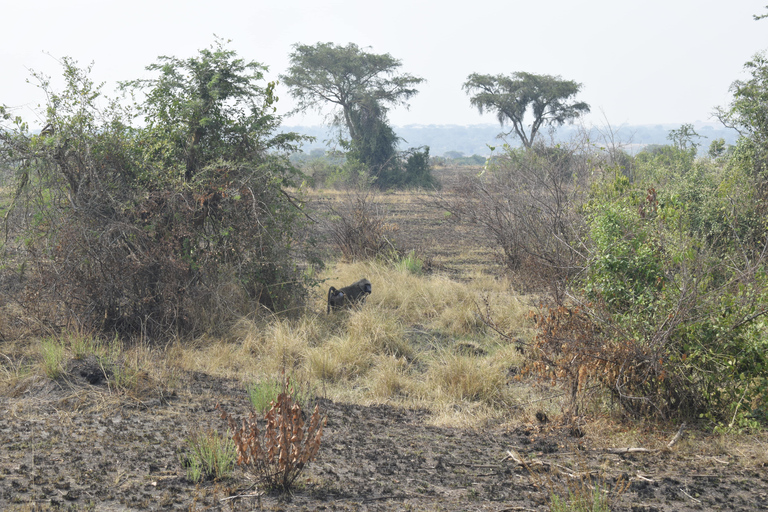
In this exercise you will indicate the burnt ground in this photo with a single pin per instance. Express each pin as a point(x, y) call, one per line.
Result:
point(74, 445)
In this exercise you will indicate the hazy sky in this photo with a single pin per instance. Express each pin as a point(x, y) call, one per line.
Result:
point(649, 62)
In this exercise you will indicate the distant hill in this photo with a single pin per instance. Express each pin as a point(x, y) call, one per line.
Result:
point(474, 139)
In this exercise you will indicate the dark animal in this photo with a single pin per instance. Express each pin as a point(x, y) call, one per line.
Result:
point(349, 295)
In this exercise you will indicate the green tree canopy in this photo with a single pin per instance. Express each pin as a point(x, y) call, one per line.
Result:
point(347, 77)
point(748, 112)
point(360, 86)
point(203, 108)
point(512, 97)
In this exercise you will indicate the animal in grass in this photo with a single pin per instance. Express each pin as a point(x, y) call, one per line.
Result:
point(349, 295)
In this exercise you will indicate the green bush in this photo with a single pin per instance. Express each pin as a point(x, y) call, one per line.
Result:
point(678, 314)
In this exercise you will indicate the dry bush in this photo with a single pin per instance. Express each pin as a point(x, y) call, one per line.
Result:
point(568, 349)
point(528, 203)
point(278, 454)
point(358, 228)
point(572, 349)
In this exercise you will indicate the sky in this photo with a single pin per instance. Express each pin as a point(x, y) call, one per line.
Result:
point(650, 62)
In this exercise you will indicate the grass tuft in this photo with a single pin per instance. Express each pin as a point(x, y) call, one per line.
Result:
point(209, 456)
point(52, 351)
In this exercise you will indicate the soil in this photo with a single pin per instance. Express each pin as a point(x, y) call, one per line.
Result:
point(75, 444)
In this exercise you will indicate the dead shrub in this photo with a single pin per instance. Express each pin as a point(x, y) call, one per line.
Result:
point(569, 350)
point(278, 454)
point(527, 202)
point(643, 375)
point(358, 228)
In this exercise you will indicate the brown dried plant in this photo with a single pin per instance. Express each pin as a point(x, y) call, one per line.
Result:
point(358, 226)
point(278, 454)
point(569, 350)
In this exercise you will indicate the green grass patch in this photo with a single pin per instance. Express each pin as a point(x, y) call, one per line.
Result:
point(52, 351)
point(209, 456)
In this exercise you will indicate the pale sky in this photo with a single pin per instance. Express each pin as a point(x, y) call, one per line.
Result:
point(650, 62)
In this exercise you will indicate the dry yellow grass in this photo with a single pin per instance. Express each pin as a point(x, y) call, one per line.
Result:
point(403, 346)
point(367, 354)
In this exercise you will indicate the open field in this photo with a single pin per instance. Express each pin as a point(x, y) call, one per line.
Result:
point(424, 410)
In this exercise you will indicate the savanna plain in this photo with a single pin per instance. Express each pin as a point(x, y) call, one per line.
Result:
point(427, 406)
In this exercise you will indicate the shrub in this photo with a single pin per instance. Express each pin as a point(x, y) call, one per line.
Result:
point(137, 231)
point(358, 228)
point(278, 454)
point(527, 202)
point(668, 322)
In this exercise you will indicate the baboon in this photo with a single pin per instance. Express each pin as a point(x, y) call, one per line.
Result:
point(349, 295)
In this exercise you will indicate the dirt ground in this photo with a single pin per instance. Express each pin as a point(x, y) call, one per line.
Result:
point(73, 445)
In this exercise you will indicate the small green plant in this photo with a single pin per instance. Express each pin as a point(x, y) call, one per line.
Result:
point(53, 355)
point(209, 456)
point(82, 346)
point(581, 499)
point(262, 394)
point(587, 490)
point(123, 377)
point(410, 263)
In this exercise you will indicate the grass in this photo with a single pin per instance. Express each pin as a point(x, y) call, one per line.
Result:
point(264, 393)
point(209, 456)
point(410, 263)
point(585, 500)
point(261, 394)
point(52, 352)
point(401, 347)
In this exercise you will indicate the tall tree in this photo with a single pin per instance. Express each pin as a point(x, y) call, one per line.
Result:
point(748, 114)
point(512, 97)
point(361, 86)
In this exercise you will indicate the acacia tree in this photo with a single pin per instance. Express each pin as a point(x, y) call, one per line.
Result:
point(512, 97)
point(360, 86)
